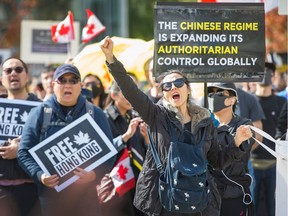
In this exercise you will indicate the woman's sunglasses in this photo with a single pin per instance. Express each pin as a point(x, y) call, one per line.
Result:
point(18, 70)
point(63, 81)
point(178, 83)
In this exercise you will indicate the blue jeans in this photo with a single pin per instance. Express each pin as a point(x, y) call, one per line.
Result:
point(268, 178)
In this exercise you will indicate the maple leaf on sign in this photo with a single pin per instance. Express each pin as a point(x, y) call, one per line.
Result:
point(81, 138)
point(64, 30)
point(122, 171)
point(24, 116)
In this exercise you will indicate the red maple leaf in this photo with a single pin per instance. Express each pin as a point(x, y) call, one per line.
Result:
point(122, 172)
point(63, 30)
point(90, 28)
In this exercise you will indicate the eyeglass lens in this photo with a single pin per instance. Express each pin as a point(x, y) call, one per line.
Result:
point(63, 81)
point(178, 83)
point(16, 69)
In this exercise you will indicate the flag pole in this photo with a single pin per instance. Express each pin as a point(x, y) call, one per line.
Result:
point(82, 45)
point(69, 53)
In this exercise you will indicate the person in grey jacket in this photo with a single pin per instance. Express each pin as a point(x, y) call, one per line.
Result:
point(67, 103)
point(177, 108)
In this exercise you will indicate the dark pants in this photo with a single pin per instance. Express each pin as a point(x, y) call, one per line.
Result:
point(266, 181)
point(19, 200)
point(235, 207)
point(75, 200)
point(120, 206)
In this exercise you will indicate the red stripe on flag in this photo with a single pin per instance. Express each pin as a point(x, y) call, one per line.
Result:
point(121, 190)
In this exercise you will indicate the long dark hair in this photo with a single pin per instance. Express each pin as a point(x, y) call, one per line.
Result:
point(102, 95)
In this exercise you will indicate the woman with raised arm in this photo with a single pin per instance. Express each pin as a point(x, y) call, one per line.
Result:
point(176, 109)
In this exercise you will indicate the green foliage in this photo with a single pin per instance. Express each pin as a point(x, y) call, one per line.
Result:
point(141, 17)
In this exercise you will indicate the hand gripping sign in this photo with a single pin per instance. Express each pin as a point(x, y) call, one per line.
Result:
point(281, 154)
point(82, 143)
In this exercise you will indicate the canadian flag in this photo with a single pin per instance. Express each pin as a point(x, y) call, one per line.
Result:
point(93, 27)
point(122, 174)
point(64, 31)
point(269, 4)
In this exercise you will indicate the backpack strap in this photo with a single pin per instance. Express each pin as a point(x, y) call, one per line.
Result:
point(46, 119)
point(48, 114)
point(159, 165)
point(172, 132)
point(89, 108)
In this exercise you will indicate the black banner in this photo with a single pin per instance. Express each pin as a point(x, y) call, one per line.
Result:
point(13, 115)
point(42, 43)
point(210, 41)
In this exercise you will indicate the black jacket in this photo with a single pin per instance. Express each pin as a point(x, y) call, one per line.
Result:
point(238, 170)
point(136, 144)
point(10, 169)
point(155, 115)
point(123, 206)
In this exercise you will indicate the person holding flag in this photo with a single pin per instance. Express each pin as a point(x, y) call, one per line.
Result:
point(130, 139)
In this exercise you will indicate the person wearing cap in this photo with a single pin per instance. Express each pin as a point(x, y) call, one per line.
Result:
point(67, 105)
point(264, 163)
point(15, 184)
point(233, 181)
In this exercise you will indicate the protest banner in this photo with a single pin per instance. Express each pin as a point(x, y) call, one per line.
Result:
point(13, 115)
point(82, 143)
point(211, 41)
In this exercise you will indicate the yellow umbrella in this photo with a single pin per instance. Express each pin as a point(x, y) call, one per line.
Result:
point(92, 60)
point(136, 56)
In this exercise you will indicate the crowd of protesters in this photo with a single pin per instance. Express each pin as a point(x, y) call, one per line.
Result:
point(61, 89)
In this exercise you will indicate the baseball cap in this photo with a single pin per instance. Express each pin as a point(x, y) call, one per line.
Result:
point(64, 69)
point(224, 86)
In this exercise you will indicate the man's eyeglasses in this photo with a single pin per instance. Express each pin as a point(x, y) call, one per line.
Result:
point(178, 83)
point(18, 70)
point(219, 93)
point(63, 81)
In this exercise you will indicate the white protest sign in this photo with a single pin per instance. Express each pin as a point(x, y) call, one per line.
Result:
point(281, 155)
point(13, 115)
point(82, 143)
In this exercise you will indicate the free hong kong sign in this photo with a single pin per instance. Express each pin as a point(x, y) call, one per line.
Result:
point(80, 144)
